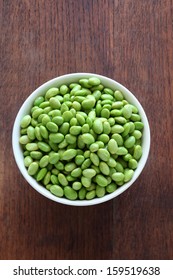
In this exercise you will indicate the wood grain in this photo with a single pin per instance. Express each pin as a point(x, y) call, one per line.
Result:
point(130, 41)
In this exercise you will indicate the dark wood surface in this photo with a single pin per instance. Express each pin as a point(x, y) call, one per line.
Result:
point(127, 40)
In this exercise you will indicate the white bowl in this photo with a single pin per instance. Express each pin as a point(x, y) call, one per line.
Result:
point(66, 79)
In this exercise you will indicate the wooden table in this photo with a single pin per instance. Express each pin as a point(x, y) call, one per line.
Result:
point(127, 40)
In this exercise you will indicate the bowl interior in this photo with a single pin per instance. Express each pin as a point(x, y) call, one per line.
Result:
point(67, 79)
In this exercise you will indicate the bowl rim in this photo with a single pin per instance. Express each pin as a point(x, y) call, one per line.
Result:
point(17, 151)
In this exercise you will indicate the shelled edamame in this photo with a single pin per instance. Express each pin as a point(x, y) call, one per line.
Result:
point(82, 140)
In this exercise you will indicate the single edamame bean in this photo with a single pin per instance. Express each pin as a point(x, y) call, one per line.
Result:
point(79, 159)
point(32, 147)
point(43, 131)
point(87, 138)
point(24, 139)
point(51, 92)
point(118, 176)
point(94, 147)
point(63, 89)
point(41, 174)
point(44, 147)
point(52, 127)
point(54, 158)
point(86, 182)
point(76, 172)
point(36, 155)
point(57, 190)
point(77, 186)
point(46, 179)
point(54, 103)
point(44, 161)
point(98, 126)
point(121, 151)
point(104, 168)
point(93, 81)
point(82, 193)
point(62, 179)
point(69, 154)
point(112, 146)
point(128, 174)
point(38, 100)
point(130, 142)
point(27, 161)
point(100, 191)
point(127, 111)
point(138, 125)
point(25, 121)
point(117, 128)
point(103, 154)
point(33, 168)
point(137, 152)
point(56, 137)
point(118, 95)
point(95, 159)
point(133, 163)
point(106, 127)
point(90, 194)
point(137, 134)
point(70, 193)
point(101, 180)
point(31, 132)
point(111, 162)
point(104, 138)
point(89, 173)
point(75, 130)
point(111, 188)
point(89, 102)
point(86, 163)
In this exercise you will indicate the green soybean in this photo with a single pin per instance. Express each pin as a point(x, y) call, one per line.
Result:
point(44, 147)
point(103, 154)
point(62, 179)
point(100, 191)
point(104, 168)
point(95, 159)
point(24, 140)
point(70, 193)
point(112, 146)
point(57, 190)
point(36, 155)
point(129, 142)
point(128, 174)
point(94, 81)
point(89, 173)
point(137, 152)
point(82, 193)
point(98, 126)
point(90, 194)
point(69, 154)
point(118, 176)
point(101, 180)
point(87, 138)
point(27, 161)
point(31, 132)
point(51, 92)
point(41, 174)
point(111, 188)
point(25, 121)
point(33, 168)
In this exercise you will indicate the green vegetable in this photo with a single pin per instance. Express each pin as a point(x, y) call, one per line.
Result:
point(82, 140)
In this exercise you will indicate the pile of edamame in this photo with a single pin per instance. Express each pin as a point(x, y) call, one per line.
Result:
point(82, 140)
